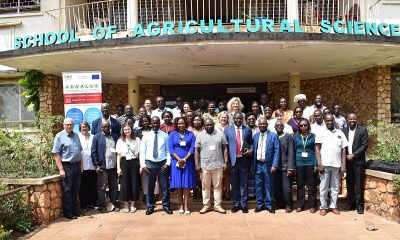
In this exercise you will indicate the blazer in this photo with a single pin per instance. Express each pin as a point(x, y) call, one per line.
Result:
point(98, 150)
point(273, 149)
point(230, 134)
point(360, 143)
point(287, 154)
point(115, 127)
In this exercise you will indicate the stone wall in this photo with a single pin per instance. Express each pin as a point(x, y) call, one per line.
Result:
point(366, 92)
point(150, 91)
point(51, 95)
point(45, 194)
point(380, 197)
point(115, 94)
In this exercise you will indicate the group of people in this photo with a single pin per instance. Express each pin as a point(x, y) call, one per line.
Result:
point(259, 154)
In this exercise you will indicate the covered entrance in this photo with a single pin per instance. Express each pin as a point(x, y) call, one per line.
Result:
point(247, 92)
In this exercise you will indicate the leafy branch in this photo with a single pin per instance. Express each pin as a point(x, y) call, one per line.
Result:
point(32, 80)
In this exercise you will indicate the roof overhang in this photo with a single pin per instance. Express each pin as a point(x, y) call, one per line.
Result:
point(212, 58)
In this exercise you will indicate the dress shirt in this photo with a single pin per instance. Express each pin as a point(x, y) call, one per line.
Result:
point(146, 148)
point(158, 112)
point(262, 146)
point(286, 128)
point(176, 112)
point(111, 157)
point(68, 146)
point(239, 154)
point(341, 121)
point(351, 139)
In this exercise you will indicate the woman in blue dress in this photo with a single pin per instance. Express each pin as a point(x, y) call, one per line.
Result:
point(181, 147)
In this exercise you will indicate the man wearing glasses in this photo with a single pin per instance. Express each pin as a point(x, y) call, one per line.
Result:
point(67, 154)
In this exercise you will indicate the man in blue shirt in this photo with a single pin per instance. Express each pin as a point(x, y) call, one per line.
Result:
point(155, 161)
point(67, 154)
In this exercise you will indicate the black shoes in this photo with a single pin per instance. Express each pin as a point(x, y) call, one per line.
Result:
point(236, 209)
point(245, 210)
point(360, 210)
point(78, 214)
point(271, 210)
point(258, 209)
point(70, 216)
point(167, 210)
point(149, 211)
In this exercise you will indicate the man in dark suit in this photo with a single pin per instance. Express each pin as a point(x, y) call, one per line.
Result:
point(115, 126)
point(104, 159)
point(239, 138)
point(357, 137)
point(266, 150)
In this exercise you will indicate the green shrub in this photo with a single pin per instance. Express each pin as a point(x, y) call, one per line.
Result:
point(384, 142)
point(15, 213)
point(4, 234)
point(24, 155)
point(396, 183)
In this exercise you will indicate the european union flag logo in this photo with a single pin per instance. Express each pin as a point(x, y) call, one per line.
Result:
point(95, 76)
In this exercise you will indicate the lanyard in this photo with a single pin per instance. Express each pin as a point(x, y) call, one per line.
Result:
point(304, 142)
point(130, 149)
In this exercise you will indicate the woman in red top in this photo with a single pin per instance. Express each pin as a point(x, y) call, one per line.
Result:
point(168, 126)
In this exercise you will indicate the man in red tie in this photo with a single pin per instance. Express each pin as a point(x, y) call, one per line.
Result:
point(239, 139)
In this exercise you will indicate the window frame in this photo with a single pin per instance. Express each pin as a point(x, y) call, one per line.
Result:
point(19, 121)
point(18, 10)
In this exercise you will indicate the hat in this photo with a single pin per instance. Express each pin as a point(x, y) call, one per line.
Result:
point(299, 97)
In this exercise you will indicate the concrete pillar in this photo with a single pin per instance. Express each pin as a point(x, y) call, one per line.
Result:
point(133, 93)
point(294, 88)
point(292, 10)
point(132, 13)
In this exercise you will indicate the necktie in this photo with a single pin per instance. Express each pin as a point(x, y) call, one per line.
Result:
point(155, 146)
point(238, 141)
point(261, 147)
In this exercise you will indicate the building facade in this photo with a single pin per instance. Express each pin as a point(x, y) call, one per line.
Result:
point(209, 49)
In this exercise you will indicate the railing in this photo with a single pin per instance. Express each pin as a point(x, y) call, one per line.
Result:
point(84, 17)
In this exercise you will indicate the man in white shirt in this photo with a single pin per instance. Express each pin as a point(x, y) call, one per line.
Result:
point(160, 101)
point(319, 125)
point(155, 161)
point(308, 111)
point(176, 111)
point(330, 147)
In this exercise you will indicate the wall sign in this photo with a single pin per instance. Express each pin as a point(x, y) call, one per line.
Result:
point(212, 26)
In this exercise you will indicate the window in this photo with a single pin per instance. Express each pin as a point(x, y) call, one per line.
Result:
point(395, 101)
point(13, 113)
point(19, 6)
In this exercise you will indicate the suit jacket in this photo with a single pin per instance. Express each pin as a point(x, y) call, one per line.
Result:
point(115, 127)
point(273, 148)
point(287, 154)
point(230, 134)
point(360, 143)
point(98, 149)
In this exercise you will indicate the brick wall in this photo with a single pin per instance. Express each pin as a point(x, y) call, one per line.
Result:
point(51, 95)
point(366, 92)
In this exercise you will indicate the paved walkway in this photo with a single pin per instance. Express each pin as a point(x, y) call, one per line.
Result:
point(212, 225)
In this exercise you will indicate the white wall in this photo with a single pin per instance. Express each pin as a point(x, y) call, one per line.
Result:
point(33, 23)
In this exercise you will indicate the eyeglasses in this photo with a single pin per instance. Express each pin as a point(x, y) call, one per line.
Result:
point(303, 125)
